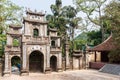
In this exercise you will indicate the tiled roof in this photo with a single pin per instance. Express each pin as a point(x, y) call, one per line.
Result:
point(54, 30)
point(14, 34)
point(36, 21)
point(35, 13)
point(107, 45)
point(15, 26)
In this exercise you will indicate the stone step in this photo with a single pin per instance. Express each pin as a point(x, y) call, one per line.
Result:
point(111, 69)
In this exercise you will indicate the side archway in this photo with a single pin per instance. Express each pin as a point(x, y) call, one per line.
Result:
point(15, 64)
point(36, 62)
point(53, 63)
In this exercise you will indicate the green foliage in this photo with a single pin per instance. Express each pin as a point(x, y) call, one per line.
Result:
point(78, 44)
point(112, 12)
point(80, 41)
point(69, 12)
point(89, 7)
point(64, 19)
point(15, 60)
point(35, 33)
point(16, 42)
point(112, 20)
point(114, 56)
point(2, 37)
point(9, 14)
point(90, 38)
point(108, 22)
point(82, 36)
point(2, 43)
point(94, 37)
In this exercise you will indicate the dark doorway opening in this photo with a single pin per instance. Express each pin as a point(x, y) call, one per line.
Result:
point(36, 62)
point(104, 56)
point(53, 63)
point(15, 65)
point(53, 44)
point(35, 33)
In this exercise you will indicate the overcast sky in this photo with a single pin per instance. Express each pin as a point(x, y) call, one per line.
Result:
point(39, 5)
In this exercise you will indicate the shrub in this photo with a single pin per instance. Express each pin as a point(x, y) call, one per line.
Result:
point(114, 56)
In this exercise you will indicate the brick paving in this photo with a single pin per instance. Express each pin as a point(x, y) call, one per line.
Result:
point(65, 75)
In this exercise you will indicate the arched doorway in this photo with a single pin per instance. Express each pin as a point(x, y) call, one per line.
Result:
point(15, 65)
point(36, 62)
point(53, 63)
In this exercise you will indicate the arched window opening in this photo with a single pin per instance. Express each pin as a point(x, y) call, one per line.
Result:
point(53, 43)
point(16, 42)
point(35, 32)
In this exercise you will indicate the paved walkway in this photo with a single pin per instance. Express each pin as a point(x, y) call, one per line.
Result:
point(66, 75)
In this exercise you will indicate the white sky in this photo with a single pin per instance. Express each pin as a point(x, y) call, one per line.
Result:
point(39, 5)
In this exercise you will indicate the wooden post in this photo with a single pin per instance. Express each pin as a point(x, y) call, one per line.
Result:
point(95, 56)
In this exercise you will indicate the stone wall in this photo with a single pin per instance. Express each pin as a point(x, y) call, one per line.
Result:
point(63, 64)
point(96, 65)
point(1, 67)
point(71, 64)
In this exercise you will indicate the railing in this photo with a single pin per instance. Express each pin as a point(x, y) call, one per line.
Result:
point(12, 48)
point(15, 32)
point(55, 48)
point(27, 38)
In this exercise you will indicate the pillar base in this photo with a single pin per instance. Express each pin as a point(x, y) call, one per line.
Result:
point(24, 73)
point(76, 69)
point(6, 73)
point(47, 70)
point(67, 68)
point(60, 70)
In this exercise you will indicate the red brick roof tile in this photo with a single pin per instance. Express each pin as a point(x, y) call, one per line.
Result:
point(107, 45)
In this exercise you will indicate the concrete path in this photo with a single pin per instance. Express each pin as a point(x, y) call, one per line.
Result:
point(66, 75)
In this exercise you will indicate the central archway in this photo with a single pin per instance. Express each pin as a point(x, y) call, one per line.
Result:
point(36, 62)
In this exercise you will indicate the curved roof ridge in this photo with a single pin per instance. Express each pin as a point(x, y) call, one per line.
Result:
point(106, 45)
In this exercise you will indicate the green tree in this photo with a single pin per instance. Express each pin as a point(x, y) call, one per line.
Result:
point(56, 20)
point(70, 13)
point(90, 8)
point(80, 41)
point(9, 14)
point(94, 37)
point(2, 43)
point(112, 14)
point(16, 42)
point(64, 19)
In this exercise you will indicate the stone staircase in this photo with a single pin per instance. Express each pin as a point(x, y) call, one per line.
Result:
point(111, 69)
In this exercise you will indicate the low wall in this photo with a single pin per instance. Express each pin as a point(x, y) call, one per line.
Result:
point(96, 65)
point(64, 65)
